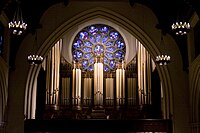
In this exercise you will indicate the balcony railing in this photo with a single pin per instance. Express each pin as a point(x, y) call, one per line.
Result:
point(108, 102)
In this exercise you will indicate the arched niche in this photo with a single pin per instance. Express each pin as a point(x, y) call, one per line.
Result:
point(131, 25)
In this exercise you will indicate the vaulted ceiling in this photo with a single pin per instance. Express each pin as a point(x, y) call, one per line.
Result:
point(165, 10)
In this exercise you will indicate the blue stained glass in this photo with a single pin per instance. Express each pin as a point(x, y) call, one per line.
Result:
point(1, 44)
point(106, 60)
point(88, 44)
point(1, 38)
point(112, 64)
point(106, 68)
point(113, 35)
point(84, 35)
point(91, 60)
point(78, 44)
point(77, 55)
point(109, 43)
point(111, 49)
point(119, 55)
point(109, 55)
point(86, 49)
point(104, 30)
point(105, 38)
point(93, 30)
point(88, 55)
point(98, 38)
point(119, 44)
point(98, 49)
point(92, 39)
point(91, 68)
point(85, 63)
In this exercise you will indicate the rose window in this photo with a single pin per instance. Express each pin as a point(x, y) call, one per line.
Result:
point(99, 40)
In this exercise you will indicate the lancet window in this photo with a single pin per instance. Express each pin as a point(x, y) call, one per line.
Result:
point(1, 38)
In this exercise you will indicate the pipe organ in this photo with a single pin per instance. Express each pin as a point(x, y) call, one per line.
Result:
point(76, 85)
point(120, 83)
point(126, 83)
point(101, 89)
point(98, 81)
point(99, 76)
point(129, 83)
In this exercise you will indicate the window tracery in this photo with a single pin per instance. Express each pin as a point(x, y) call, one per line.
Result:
point(96, 40)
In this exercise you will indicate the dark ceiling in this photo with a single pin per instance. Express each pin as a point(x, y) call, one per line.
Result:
point(165, 10)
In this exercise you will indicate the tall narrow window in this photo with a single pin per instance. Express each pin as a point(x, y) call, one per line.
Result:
point(1, 38)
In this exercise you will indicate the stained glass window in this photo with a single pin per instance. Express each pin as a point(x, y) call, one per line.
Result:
point(98, 39)
point(1, 38)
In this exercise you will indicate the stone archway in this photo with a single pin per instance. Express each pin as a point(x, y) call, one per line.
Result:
point(195, 94)
point(84, 16)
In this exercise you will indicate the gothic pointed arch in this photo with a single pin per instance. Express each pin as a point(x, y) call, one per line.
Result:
point(88, 15)
point(195, 93)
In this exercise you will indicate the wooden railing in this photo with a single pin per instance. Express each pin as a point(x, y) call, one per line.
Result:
point(108, 102)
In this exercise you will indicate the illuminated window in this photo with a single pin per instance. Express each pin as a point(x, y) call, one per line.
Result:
point(1, 38)
point(95, 40)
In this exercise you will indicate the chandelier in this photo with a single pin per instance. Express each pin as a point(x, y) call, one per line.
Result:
point(162, 59)
point(181, 28)
point(17, 25)
point(34, 59)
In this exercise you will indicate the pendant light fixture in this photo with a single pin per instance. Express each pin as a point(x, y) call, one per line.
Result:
point(17, 25)
point(162, 59)
point(35, 59)
point(180, 26)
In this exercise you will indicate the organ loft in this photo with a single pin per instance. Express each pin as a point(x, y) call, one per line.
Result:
point(99, 82)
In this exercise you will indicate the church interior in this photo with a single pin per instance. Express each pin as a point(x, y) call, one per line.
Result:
point(99, 66)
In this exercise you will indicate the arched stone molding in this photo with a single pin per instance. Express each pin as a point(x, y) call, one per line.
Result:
point(4, 72)
point(74, 31)
point(3, 92)
point(30, 94)
point(194, 79)
point(100, 12)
